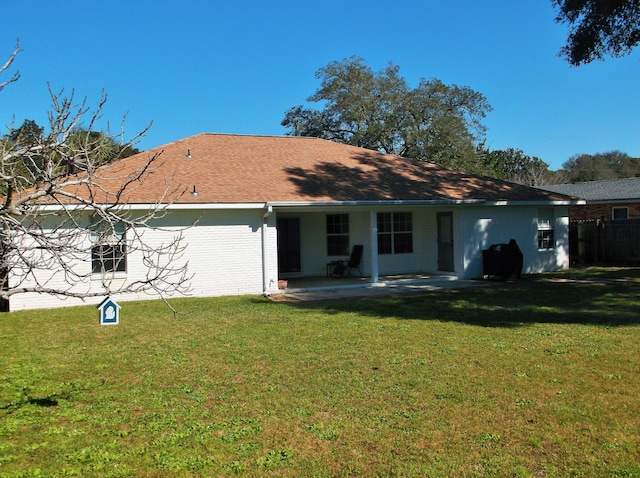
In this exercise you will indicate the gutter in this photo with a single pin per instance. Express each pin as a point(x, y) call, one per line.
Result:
point(306, 204)
point(163, 206)
point(568, 202)
point(378, 203)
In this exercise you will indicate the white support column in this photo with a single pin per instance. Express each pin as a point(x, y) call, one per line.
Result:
point(373, 221)
point(266, 286)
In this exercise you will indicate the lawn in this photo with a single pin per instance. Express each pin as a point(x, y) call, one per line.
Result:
point(537, 378)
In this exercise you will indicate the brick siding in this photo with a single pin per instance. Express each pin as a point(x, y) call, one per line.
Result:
point(602, 211)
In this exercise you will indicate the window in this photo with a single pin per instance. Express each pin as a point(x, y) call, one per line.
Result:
point(337, 234)
point(395, 233)
point(109, 250)
point(620, 213)
point(545, 229)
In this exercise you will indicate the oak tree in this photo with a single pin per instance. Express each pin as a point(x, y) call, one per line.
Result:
point(514, 165)
point(598, 28)
point(601, 166)
point(378, 110)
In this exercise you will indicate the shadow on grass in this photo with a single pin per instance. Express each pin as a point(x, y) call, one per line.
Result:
point(602, 302)
point(44, 402)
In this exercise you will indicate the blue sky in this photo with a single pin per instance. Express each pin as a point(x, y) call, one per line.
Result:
point(236, 67)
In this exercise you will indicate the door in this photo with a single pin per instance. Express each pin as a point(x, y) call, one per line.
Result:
point(288, 244)
point(445, 241)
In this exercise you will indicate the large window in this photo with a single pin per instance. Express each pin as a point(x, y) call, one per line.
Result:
point(545, 229)
point(395, 232)
point(109, 250)
point(337, 234)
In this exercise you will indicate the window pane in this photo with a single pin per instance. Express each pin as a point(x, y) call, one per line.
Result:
point(402, 222)
point(545, 239)
point(108, 258)
point(384, 243)
point(403, 243)
point(337, 245)
point(120, 258)
point(620, 213)
point(109, 251)
point(337, 224)
point(384, 222)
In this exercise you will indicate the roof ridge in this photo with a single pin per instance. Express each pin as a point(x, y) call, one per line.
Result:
point(605, 180)
point(252, 135)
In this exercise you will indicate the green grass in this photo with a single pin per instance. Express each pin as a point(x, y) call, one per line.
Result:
point(535, 378)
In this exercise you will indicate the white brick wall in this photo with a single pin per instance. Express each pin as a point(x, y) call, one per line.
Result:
point(224, 254)
point(224, 250)
point(484, 226)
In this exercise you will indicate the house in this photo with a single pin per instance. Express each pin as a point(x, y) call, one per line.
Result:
point(611, 199)
point(607, 227)
point(270, 208)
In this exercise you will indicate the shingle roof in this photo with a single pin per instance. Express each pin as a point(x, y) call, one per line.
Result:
point(612, 190)
point(249, 169)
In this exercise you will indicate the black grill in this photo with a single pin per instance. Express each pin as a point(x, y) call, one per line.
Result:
point(503, 261)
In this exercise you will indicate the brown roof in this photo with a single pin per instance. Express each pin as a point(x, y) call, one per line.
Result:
point(249, 169)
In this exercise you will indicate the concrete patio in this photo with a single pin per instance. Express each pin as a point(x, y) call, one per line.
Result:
point(327, 288)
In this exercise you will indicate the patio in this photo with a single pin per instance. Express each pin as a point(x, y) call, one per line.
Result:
point(314, 282)
point(326, 288)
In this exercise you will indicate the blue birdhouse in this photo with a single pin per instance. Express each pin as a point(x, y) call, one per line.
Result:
point(109, 312)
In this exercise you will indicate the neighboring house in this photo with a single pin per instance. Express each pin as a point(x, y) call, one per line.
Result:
point(612, 199)
point(607, 228)
point(269, 208)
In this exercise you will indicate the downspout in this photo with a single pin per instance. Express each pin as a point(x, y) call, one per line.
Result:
point(265, 250)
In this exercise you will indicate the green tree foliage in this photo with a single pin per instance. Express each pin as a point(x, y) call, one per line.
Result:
point(22, 168)
point(96, 147)
point(598, 28)
point(29, 133)
point(514, 165)
point(601, 166)
point(82, 146)
point(378, 110)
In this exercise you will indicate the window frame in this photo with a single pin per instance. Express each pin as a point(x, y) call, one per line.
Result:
point(619, 208)
point(546, 234)
point(395, 232)
point(337, 232)
point(109, 250)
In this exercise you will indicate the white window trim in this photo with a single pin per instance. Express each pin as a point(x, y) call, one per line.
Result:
point(544, 226)
point(393, 233)
point(614, 208)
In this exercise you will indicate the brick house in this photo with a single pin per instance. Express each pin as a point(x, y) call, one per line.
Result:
point(271, 208)
point(612, 199)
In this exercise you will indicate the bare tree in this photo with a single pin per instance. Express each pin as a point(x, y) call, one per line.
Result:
point(66, 224)
point(7, 65)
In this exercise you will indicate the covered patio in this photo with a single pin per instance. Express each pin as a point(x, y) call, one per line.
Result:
point(326, 288)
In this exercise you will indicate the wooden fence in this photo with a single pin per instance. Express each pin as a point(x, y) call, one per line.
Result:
point(604, 241)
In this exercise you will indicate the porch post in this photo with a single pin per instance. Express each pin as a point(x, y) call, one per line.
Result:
point(266, 285)
point(373, 220)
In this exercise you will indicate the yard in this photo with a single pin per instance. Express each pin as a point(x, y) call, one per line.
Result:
point(532, 378)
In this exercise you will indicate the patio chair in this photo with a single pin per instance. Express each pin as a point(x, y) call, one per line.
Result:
point(343, 268)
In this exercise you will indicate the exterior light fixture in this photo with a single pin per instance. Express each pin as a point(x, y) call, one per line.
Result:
point(188, 155)
point(194, 193)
